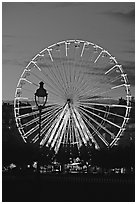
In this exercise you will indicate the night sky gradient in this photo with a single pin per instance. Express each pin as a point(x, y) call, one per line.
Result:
point(28, 28)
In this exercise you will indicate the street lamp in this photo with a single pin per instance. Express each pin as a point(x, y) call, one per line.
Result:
point(40, 100)
point(41, 96)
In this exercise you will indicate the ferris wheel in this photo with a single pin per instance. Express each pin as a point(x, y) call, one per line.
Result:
point(88, 97)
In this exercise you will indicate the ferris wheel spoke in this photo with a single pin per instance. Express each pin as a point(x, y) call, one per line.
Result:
point(51, 62)
point(55, 90)
point(79, 128)
point(102, 118)
point(73, 136)
point(61, 77)
point(25, 107)
point(68, 63)
point(74, 73)
point(51, 112)
point(109, 89)
point(45, 140)
point(94, 129)
point(78, 88)
point(64, 72)
point(71, 132)
point(69, 75)
point(58, 143)
point(61, 129)
point(47, 122)
point(58, 80)
point(83, 89)
point(78, 140)
point(84, 92)
point(66, 134)
point(49, 117)
point(83, 84)
point(79, 137)
point(96, 100)
point(89, 102)
point(68, 138)
point(74, 133)
point(115, 79)
point(85, 65)
point(37, 118)
point(92, 100)
point(35, 139)
point(103, 111)
point(83, 126)
point(47, 126)
point(73, 69)
point(109, 81)
point(87, 133)
point(120, 77)
point(99, 125)
point(30, 122)
point(96, 132)
point(72, 139)
point(31, 131)
point(117, 137)
point(50, 107)
point(63, 133)
point(53, 127)
point(66, 76)
point(104, 92)
point(103, 98)
point(55, 82)
point(63, 69)
point(58, 72)
point(56, 127)
point(28, 114)
point(32, 108)
point(79, 80)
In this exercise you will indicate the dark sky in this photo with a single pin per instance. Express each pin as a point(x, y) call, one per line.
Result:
point(28, 28)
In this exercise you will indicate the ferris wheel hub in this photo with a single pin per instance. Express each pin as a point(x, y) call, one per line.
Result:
point(70, 102)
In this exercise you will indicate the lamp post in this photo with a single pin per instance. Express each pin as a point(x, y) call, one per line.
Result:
point(40, 100)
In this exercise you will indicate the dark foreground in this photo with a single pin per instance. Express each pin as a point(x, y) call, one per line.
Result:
point(68, 188)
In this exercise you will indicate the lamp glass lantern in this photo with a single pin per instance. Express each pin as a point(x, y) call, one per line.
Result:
point(41, 96)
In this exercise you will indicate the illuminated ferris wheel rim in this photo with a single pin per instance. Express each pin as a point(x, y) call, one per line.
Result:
point(78, 111)
point(86, 43)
